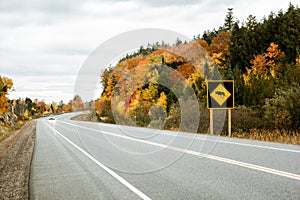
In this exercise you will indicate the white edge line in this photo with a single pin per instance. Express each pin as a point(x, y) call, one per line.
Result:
point(217, 158)
point(258, 146)
point(221, 141)
point(108, 170)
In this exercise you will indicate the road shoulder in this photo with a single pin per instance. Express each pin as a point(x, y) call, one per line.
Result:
point(15, 159)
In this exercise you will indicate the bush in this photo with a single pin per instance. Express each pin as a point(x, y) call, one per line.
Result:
point(158, 117)
point(174, 117)
point(246, 118)
point(242, 118)
point(283, 111)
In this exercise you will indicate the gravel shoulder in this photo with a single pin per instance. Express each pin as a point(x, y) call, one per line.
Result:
point(15, 159)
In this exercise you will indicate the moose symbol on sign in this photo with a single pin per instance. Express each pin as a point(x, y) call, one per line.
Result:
point(220, 93)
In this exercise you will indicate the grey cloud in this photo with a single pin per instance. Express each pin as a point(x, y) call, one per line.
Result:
point(67, 50)
point(27, 70)
point(49, 88)
point(15, 13)
point(47, 6)
point(159, 3)
point(162, 3)
point(30, 66)
point(50, 12)
point(166, 3)
point(72, 6)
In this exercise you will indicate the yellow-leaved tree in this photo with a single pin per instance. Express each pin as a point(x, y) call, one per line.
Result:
point(150, 93)
point(162, 101)
point(5, 85)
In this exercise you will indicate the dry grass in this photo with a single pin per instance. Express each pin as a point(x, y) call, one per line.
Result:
point(86, 116)
point(281, 136)
point(5, 132)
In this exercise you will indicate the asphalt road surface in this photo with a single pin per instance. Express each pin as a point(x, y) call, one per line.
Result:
point(85, 160)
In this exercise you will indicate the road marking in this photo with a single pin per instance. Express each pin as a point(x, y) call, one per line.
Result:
point(112, 173)
point(217, 158)
point(258, 146)
point(207, 139)
point(236, 143)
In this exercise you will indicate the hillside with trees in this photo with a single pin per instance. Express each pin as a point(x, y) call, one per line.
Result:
point(262, 57)
point(146, 87)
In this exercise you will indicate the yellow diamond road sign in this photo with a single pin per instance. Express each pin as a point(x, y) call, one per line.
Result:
point(220, 94)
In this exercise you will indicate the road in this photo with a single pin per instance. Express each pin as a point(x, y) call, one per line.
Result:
point(85, 160)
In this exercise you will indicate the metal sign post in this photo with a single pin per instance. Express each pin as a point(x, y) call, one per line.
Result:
point(220, 95)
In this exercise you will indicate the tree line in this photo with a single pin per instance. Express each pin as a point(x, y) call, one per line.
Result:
point(26, 109)
point(263, 57)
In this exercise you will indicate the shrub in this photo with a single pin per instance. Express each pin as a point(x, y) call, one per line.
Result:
point(283, 111)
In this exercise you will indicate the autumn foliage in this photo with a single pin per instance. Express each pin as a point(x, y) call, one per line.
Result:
point(261, 64)
point(145, 87)
point(5, 85)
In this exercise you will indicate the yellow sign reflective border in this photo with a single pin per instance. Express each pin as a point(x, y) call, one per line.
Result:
point(220, 94)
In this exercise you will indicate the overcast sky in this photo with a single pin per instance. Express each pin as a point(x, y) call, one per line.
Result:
point(43, 43)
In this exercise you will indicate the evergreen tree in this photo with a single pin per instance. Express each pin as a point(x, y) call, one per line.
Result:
point(208, 36)
point(163, 62)
point(216, 74)
point(251, 23)
point(206, 71)
point(178, 42)
point(228, 24)
point(254, 38)
point(229, 73)
point(239, 86)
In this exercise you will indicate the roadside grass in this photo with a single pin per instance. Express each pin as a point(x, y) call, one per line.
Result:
point(86, 116)
point(280, 136)
point(5, 131)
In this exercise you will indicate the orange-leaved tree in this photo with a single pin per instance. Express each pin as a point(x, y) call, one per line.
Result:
point(5, 85)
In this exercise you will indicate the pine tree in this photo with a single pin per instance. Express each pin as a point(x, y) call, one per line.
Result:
point(216, 74)
point(251, 23)
point(239, 86)
point(206, 71)
point(178, 42)
point(228, 24)
point(208, 36)
point(229, 72)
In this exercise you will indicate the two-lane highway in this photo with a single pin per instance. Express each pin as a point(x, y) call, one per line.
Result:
point(84, 160)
